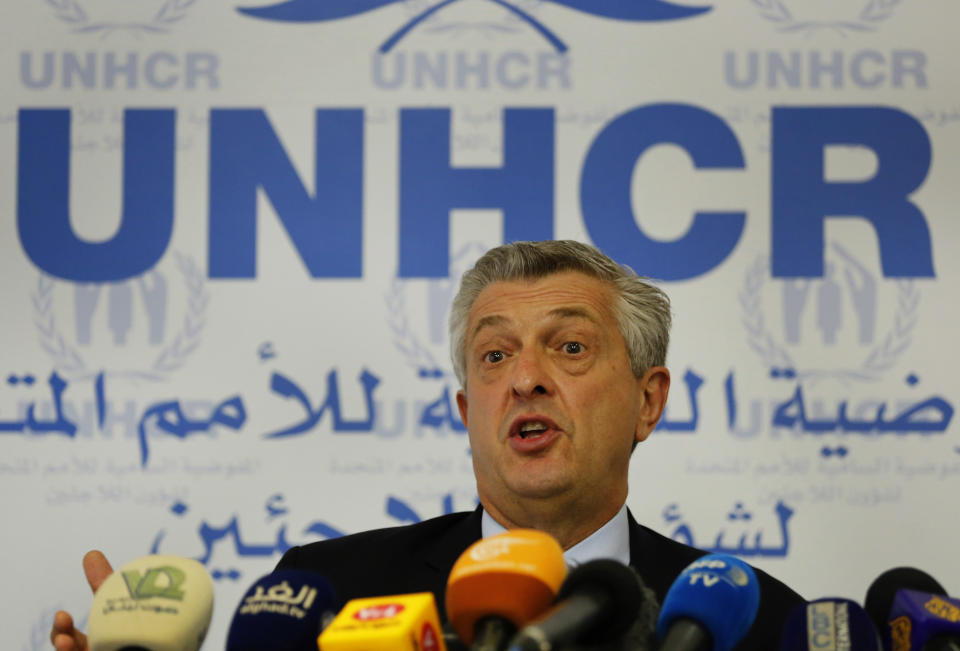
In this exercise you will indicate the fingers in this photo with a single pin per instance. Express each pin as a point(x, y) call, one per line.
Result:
point(69, 643)
point(62, 624)
point(64, 636)
point(97, 568)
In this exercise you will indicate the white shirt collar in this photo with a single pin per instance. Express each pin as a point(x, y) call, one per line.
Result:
point(612, 540)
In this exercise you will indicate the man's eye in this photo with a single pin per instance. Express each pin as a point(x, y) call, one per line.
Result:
point(493, 356)
point(573, 348)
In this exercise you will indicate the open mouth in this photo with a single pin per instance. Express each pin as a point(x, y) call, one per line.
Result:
point(533, 434)
point(532, 428)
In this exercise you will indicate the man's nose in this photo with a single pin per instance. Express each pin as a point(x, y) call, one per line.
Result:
point(531, 375)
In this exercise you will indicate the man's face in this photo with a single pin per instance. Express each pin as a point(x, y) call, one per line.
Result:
point(551, 404)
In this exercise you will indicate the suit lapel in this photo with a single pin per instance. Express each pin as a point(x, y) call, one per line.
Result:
point(657, 573)
point(440, 553)
point(443, 551)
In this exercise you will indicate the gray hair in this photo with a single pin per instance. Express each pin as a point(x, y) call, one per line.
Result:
point(642, 310)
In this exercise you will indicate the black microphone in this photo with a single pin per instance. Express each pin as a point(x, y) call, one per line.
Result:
point(825, 624)
point(882, 592)
point(597, 603)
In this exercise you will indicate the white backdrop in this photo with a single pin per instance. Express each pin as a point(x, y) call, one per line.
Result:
point(286, 267)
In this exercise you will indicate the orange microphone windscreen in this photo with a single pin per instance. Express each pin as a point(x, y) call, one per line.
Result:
point(514, 575)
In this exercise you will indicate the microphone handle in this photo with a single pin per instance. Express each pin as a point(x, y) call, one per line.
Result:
point(942, 643)
point(687, 635)
point(561, 625)
point(452, 640)
point(493, 633)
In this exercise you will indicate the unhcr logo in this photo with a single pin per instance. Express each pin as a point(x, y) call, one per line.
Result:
point(471, 68)
point(865, 324)
point(828, 67)
point(87, 69)
point(89, 326)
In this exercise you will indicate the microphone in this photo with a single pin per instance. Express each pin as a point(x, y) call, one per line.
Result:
point(397, 623)
point(285, 610)
point(829, 625)
point(154, 603)
point(925, 622)
point(500, 583)
point(882, 592)
point(710, 606)
point(597, 603)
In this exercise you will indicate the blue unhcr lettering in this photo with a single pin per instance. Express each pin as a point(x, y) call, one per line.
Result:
point(43, 197)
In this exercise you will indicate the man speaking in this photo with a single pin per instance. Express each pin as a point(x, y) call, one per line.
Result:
point(560, 353)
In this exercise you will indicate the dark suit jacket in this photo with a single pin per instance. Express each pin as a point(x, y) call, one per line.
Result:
point(418, 558)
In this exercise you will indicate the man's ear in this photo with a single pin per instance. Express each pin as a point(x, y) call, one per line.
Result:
point(655, 385)
point(462, 405)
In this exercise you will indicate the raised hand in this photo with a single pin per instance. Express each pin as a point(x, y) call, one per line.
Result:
point(64, 635)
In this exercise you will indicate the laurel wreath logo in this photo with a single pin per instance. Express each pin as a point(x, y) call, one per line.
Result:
point(404, 338)
point(761, 341)
point(417, 355)
point(73, 13)
point(867, 20)
point(68, 360)
point(65, 356)
point(879, 359)
point(186, 340)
